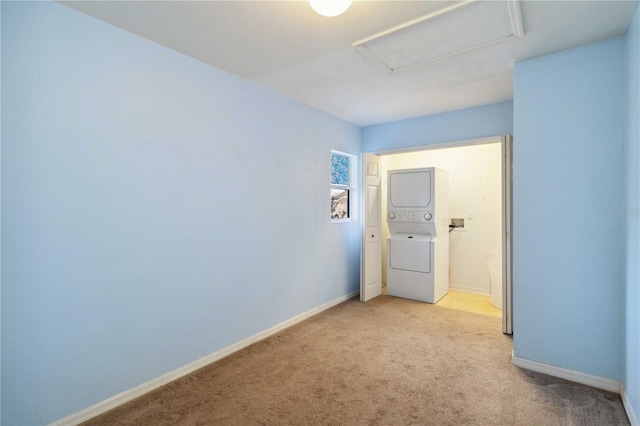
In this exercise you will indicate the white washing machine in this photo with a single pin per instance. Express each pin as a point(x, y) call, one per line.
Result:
point(418, 245)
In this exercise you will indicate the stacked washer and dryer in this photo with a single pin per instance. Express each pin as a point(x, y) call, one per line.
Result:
point(418, 244)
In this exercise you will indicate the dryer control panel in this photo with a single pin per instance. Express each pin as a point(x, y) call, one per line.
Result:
point(409, 216)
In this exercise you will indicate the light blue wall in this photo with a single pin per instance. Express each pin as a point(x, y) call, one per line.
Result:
point(471, 123)
point(155, 210)
point(631, 380)
point(568, 293)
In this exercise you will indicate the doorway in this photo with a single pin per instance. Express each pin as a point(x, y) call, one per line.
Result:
point(480, 200)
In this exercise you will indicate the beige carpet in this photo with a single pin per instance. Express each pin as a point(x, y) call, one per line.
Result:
point(390, 361)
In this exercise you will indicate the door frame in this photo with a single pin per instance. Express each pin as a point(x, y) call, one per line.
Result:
point(506, 142)
point(507, 234)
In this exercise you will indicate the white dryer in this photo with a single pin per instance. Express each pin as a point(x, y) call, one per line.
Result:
point(418, 246)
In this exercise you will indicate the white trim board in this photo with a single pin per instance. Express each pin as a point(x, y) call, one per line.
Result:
point(441, 144)
point(571, 375)
point(471, 290)
point(633, 419)
point(128, 395)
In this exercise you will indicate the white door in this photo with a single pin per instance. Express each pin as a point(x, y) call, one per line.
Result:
point(371, 253)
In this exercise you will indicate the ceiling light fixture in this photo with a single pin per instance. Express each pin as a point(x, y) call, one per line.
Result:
point(330, 7)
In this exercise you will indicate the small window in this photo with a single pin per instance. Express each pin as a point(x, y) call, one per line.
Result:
point(343, 190)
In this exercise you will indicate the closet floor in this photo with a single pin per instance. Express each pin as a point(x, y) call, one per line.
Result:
point(469, 302)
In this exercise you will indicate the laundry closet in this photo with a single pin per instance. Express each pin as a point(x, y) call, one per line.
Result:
point(474, 206)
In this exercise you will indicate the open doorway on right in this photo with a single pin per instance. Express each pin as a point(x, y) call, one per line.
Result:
point(476, 208)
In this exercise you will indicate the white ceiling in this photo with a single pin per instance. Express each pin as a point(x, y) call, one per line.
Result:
point(286, 46)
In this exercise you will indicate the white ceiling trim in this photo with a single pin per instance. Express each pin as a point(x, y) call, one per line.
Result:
point(385, 49)
point(515, 14)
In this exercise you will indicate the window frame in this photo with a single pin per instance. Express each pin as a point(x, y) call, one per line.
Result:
point(351, 187)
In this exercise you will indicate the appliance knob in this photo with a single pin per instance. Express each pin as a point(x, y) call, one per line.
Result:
point(428, 216)
point(392, 215)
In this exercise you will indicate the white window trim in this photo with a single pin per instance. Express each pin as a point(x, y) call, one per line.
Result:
point(352, 187)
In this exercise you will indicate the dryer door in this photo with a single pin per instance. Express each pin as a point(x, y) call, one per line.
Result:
point(410, 252)
point(409, 188)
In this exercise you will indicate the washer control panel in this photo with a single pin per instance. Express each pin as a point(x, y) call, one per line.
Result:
point(410, 216)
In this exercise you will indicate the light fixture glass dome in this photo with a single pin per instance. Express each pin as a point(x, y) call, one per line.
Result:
point(330, 7)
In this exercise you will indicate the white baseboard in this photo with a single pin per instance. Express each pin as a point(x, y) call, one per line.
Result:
point(467, 289)
point(633, 418)
point(563, 373)
point(128, 395)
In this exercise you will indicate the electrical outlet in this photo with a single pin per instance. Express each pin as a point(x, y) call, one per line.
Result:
point(458, 223)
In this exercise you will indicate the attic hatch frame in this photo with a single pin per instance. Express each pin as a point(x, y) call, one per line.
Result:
point(515, 20)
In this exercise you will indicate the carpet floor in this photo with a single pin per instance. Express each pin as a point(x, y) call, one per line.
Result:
point(389, 361)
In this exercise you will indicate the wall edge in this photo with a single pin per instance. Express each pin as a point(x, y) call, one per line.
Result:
point(566, 374)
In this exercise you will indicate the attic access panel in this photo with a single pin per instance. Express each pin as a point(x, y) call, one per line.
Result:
point(459, 28)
